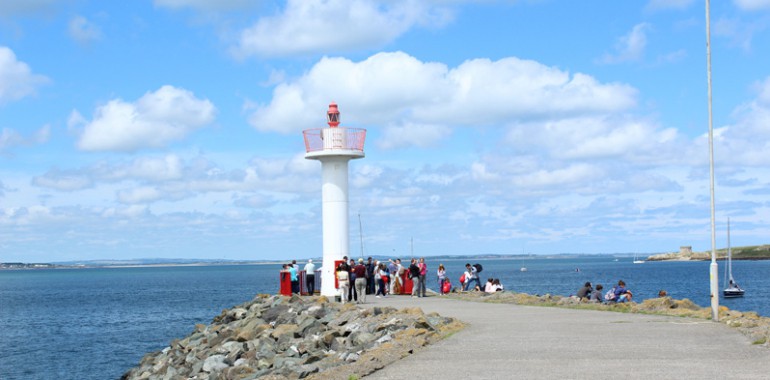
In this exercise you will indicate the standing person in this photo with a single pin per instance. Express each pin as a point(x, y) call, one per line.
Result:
point(414, 274)
point(343, 281)
point(376, 278)
point(310, 277)
point(423, 274)
point(382, 271)
point(371, 266)
point(294, 279)
point(360, 274)
point(400, 276)
point(352, 294)
point(441, 273)
point(474, 277)
point(393, 270)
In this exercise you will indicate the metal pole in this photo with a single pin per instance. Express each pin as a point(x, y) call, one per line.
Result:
point(713, 272)
point(361, 235)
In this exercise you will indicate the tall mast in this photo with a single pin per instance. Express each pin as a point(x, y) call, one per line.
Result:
point(713, 271)
point(361, 235)
point(729, 254)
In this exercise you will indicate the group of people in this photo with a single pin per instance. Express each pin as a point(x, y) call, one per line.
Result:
point(356, 279)
point(617, 294)
point(290, 269)
point(379, 278)
point(384, 278)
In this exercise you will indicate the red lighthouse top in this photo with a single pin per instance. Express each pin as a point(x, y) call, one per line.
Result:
point(333, 115)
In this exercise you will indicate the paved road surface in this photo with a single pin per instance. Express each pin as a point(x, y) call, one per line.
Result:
point(506, 341)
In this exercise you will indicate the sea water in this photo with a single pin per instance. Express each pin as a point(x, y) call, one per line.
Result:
point(98, 323)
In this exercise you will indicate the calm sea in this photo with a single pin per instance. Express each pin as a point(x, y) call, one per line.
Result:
point(98, 323)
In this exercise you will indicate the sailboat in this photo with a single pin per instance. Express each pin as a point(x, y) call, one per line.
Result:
point(637, 261)
point(732, 290)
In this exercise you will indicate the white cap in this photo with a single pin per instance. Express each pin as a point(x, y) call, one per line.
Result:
point(310, 260)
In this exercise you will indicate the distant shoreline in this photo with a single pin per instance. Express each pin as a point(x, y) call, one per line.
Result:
point(32, 266)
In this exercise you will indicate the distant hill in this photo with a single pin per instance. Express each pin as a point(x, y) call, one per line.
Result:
point(754, 252)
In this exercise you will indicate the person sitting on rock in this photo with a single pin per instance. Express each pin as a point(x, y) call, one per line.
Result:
point(489, 287)
point(585, 292)
point(343, 282)
point(596, 295)
point(621, 293)
point(497, 286)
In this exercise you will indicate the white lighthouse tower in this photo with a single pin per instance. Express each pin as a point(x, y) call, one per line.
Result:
point(334, 147)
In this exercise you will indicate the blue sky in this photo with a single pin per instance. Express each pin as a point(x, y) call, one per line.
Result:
point(173, 128)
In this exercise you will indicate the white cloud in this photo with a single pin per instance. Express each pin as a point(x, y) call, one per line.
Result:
point(151, 169)
point(153, 121)
point(747, 141)
point(673, 57)
point(83, 31)
point(740, 32)
point(629, 47)
point(597, 138)
point(322, 26)
point(410, 134)
point(205, 5)
point(63, 180)
point(752, 5)
point(16, 79)
point(11, 7)
point(655, 5)
point(398, 89)
point(139, 195)
point(10, 138)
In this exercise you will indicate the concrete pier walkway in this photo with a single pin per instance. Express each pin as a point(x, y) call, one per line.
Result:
point(504, 341)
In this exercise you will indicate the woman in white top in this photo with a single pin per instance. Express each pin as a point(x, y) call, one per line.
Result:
point(343, 282)
point(441, 273)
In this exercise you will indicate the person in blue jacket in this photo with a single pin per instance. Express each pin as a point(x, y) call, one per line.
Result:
point(621, 293)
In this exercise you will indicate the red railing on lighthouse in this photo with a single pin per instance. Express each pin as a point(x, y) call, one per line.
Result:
point(331, 139)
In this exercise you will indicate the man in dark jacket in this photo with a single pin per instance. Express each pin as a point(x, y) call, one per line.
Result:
point(414, 274)
point(585, 291)
point(369, 276)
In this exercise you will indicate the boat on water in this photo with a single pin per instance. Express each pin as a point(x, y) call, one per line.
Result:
point(523, 269)
point(732, 290)
point(636, 260)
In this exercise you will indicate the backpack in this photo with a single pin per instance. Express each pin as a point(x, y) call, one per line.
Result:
point(478, 267)
point(610, 295)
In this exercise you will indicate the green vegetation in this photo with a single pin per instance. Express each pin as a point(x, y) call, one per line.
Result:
point(747, 253)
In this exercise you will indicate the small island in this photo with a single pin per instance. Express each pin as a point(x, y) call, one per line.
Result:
point(755, 252)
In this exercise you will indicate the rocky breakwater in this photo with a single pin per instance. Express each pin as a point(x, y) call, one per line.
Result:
point(276, 337)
